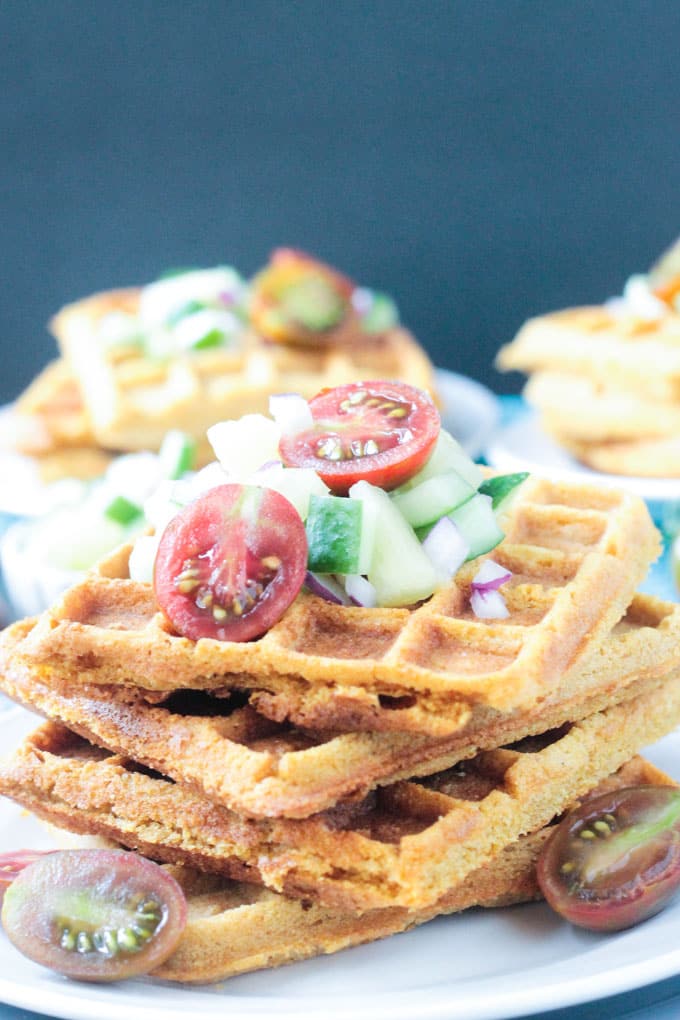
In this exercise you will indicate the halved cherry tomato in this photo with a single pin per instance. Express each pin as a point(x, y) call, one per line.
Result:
point(13, 862)
point(95, 915)
point(297, 299)
point(382, 432)
point(615, 860)
point(230, 563)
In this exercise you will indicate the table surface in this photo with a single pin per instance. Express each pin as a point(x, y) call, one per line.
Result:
point(659, 1001)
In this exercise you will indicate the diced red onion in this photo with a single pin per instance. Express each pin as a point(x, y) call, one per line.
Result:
point(268, 464)
point(445, 547)
point(361, 591)
point(291, 413)
point(362, 300)
point(490, 576)
point(326, 586)
point(488, 605)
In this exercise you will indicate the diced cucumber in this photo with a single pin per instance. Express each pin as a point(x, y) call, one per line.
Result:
point(501, 486)
point(143, 558)
point(448, 455)
point(478, 525)
point(298, 485)
point(244, 445)
point(177, 454)
point(122, 510)
point(400, 571)
point(334, 535)
point(431, 499)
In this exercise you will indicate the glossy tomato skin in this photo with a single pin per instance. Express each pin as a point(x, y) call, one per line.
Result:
point(615, 860)
point(95, 915)
point(292, 281)
point(382, 432)
point(13, 862)
point(230, 563)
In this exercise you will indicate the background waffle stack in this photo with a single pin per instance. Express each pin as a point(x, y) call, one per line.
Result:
point(100, 398)
point(162, 746)
point(606, 380)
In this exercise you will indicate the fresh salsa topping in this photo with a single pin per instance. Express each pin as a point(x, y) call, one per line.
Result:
point(388, 523)
point(379, 432)
point(297, 299)
point(94, 915)
point(615, 860)
point(230, 563)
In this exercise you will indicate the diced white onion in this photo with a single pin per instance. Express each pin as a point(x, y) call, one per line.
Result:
point(291, 413)
point(143, 558)
point(361, 590)
point(488, 605)
point(490, 576)
point(446, 548)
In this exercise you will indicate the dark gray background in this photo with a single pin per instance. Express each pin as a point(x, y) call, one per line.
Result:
point(482, 161)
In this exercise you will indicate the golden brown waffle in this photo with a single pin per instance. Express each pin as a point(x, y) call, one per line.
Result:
point(649, 458)
point(234, 756)
point(605, 413)
point(577, 554)
point(642, 355)
point(133, 400)
point(236, 927)
point(49, 415)
point(405, 845)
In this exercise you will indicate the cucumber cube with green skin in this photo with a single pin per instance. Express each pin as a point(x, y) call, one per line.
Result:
point(177, 454)
point(478, 525)
point(122, 510)
point(448, 455)
point(500, 487)
point(433, 498)
point(334, 535)
point(400, 570)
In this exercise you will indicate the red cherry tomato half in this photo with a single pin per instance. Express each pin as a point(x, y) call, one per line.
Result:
point(615, 860)
point(382, 432)
point(296, 299)
point(95, 915)
point(230, 563)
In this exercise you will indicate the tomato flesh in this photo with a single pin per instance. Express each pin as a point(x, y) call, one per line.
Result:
point(297, 299)
point(615, 860)
point(382, 432)
point(230, 563)
point(95, 915)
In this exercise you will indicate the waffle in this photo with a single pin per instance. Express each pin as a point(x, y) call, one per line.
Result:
point(405, 845)
point(648, 458)
point(236, 927)
point(642, 355)
point(605, 413)
point(48, 424)
point(133, 400)
point(233, 755)
point(577, 554)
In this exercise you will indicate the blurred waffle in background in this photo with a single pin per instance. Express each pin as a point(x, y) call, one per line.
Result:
point(606, 380)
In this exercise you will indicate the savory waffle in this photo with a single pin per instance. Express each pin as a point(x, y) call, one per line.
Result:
point(236, 927)
point(258, 768)
point(605, 413)
point(655, 457)
point(405, 845)
point(133, 400)
point(577, 554)
point(642, 355)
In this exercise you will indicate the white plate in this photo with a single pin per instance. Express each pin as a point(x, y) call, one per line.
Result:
point(524, 446)
point(483, 965)
point(469, 410)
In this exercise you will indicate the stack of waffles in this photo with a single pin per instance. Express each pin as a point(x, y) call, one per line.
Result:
point(98, 398)
point(606, 380)
point(606, 385)
point(355, 771)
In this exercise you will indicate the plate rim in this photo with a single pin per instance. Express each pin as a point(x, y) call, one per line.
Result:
point(502, 453)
